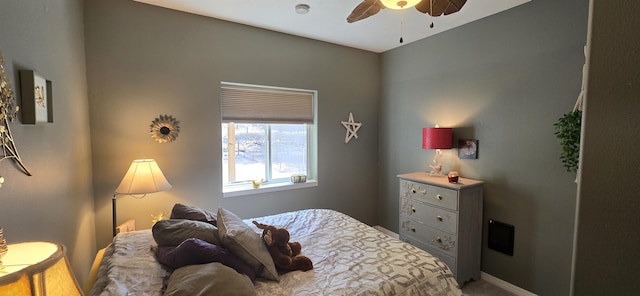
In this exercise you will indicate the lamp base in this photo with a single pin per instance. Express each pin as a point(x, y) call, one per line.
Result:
point(436, 168)
point(3, 247)
point(436, 174)
point(113, 214)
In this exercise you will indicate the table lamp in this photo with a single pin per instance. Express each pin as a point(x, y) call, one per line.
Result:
point(37, 268)
point(436, 138)
point(143, 177)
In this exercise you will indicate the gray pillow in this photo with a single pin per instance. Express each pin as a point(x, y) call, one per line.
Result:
point(194, 251)
point(181, 211)
point(172, 232)
point(208, 279)
point(245, 243)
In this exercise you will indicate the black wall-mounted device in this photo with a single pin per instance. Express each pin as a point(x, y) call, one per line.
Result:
point(501, 237)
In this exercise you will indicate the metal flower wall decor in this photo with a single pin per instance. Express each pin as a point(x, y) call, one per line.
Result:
point(165, 129)
point(8, 112)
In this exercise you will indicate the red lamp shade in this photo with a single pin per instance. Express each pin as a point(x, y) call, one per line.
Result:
point(437, 138)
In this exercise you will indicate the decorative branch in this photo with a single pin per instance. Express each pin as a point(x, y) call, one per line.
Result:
point(8, 112)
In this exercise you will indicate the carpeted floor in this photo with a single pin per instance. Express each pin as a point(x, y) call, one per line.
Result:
point(483, 288)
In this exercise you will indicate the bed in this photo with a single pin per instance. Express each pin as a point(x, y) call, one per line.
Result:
point(349, 258)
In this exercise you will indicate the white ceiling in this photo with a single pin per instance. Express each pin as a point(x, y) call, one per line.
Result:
point(327, 19)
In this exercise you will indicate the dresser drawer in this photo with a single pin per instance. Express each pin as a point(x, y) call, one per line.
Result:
point(450, 261)
point(435, 217)
point(442, 197)
point(445, 242)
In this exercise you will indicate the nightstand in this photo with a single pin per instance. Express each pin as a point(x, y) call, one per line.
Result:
point(444, 219)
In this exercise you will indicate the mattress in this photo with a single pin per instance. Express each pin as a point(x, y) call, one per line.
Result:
point(349, 258)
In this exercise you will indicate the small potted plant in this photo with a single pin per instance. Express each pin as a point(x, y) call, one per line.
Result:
point(568, 133)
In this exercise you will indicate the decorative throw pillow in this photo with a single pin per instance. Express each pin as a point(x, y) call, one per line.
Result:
point(245, 243)
point(172, 232)
point(208, 279)
point(181, 211)
point(196, 251)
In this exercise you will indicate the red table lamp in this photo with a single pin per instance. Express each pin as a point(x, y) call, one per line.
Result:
point(436, 138)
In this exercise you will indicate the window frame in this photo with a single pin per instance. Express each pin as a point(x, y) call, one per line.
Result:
point(246, 188)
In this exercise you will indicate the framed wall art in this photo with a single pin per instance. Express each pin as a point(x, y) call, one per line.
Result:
point(37, 98)
point(468, 149)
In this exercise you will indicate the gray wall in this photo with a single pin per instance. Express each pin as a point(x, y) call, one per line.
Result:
point(607, 236)
point(56, 203)
point(143, 61)
point(504, 80)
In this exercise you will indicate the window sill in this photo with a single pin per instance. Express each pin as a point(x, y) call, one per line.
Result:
point(233, 191)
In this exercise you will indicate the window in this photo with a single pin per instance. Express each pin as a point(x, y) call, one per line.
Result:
point(268, 134)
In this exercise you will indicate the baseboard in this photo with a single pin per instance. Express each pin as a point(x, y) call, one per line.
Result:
point(386, 231)
point(505, 285)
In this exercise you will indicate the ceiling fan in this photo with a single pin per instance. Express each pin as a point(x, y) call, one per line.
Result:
point(432, 7)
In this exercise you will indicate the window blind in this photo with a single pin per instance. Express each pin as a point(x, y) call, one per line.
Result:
point(256, 104)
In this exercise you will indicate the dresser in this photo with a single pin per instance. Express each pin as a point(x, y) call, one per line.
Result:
point(444, 219)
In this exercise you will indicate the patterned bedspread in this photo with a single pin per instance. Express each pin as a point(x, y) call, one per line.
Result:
point(349, 258)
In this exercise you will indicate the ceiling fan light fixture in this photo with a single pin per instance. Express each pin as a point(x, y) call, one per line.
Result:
point(399, 4)
point(302, 8)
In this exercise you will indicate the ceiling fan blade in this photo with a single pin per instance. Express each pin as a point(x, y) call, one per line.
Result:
point(440, 7)
point(364, 10)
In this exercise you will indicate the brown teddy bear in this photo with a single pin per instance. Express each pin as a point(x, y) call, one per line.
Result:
point(285, 254)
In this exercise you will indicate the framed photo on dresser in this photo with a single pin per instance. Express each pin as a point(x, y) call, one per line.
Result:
point(468, 149)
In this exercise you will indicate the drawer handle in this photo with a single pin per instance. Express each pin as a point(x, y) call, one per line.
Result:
point(439, 218)
point(413, 229)
point(439, 197)
point(413, 209)
point(413, 190)
point(439, 240)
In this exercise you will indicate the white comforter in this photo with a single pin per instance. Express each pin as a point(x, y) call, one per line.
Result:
point(349, 258)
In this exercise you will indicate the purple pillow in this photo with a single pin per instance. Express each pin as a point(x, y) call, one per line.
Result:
point(181, 211)
point(194, 251)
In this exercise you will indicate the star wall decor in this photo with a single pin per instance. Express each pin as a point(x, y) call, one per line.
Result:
point(352, 128)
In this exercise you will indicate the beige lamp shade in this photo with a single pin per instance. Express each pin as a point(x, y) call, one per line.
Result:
point(37, 268)
point(399, 4)
point(144, 176)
